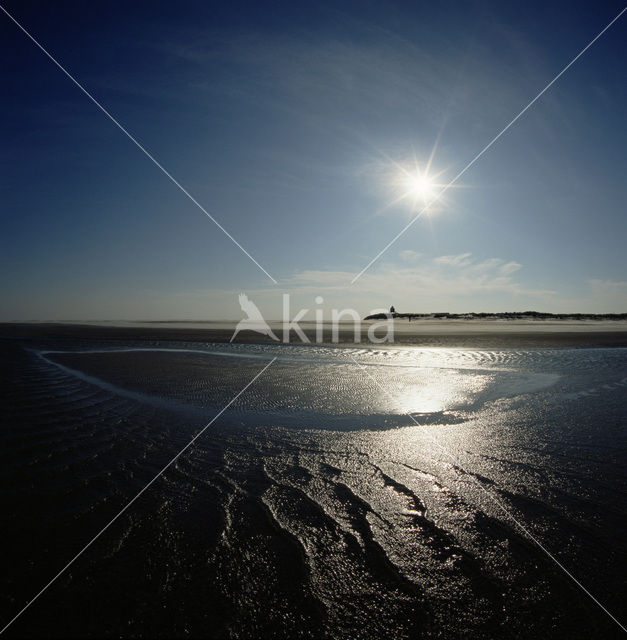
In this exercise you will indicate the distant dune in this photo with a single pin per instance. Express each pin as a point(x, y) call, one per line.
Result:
point(502, 315)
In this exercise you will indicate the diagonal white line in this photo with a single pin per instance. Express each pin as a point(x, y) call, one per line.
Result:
point(137, 144)
point(176, 457)
point(498, 503)
point(496, 137)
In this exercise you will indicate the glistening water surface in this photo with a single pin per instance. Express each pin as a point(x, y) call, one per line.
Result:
point(348, 493)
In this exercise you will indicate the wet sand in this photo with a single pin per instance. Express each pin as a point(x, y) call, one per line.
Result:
point(350, 492)
point(458, 334)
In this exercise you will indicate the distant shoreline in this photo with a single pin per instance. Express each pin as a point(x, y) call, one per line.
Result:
point(426, 333)
point(504, 315)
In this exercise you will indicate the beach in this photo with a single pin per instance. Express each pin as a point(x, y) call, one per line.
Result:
point(426, 333)
point(410, 490)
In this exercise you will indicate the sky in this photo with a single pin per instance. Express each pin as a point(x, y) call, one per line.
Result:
point(300, 127)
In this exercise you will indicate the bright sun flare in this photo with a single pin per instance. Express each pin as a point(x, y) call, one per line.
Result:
point(419, 186)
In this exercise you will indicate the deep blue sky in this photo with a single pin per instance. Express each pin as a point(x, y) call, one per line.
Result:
point(286, 121)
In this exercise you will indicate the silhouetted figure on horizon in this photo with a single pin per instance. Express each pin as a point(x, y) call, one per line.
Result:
point(392, 310)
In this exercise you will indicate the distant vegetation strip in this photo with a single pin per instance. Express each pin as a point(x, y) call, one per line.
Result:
point(504, 315)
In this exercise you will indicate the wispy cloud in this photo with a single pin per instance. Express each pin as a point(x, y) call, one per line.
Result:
point(444, 279)
point(460, 260)
point(608, 286)
point(414, 282)
point(509, 268)
point(608, 295)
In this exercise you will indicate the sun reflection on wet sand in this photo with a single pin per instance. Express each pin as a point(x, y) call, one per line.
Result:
point(437, 390)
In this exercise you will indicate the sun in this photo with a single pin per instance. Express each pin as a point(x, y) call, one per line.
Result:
point(416, 185)
point(419, 186)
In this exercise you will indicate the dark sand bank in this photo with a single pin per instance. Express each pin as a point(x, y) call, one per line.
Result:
point(463, 334)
